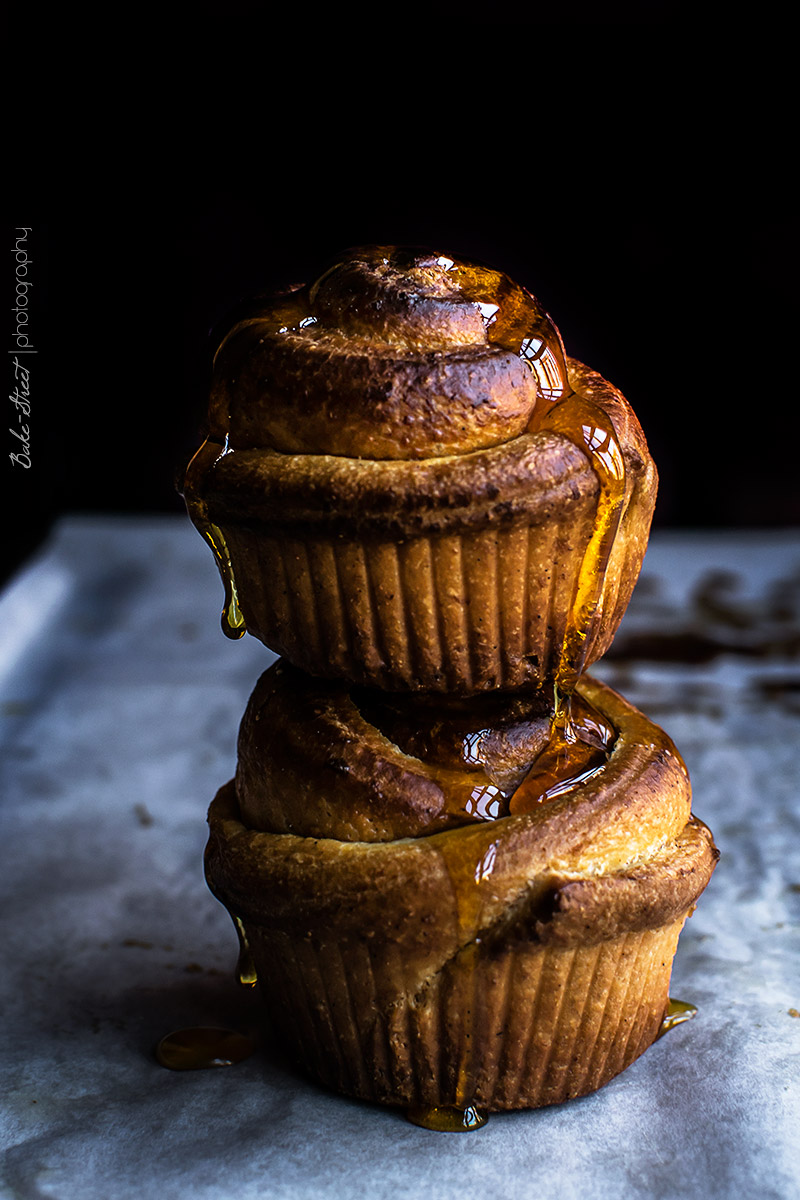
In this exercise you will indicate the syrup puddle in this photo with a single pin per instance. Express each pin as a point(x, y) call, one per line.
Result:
point(447, 1118)
point(203, 1047)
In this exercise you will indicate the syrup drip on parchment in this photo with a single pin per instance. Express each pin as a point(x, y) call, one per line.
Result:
point(446, 1118)
point(677, 1012)
point(202, 1047)
point(198, 1047)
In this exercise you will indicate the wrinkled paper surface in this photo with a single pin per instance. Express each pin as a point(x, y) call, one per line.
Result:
point(121, 700)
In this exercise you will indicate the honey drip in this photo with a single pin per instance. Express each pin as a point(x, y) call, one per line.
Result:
point(566, 759)
point(202, 1047)
point(232, 621)
point(578, 750)
point(246, 973)
point(677, 1012)
point(469, 741)
point(515, 319)
point(566, 763)
point(448, 1118)
point(588, 428)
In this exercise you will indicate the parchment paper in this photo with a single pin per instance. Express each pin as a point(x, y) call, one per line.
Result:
point(121, 700)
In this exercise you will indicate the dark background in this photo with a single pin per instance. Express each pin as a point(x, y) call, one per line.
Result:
point(651, 218)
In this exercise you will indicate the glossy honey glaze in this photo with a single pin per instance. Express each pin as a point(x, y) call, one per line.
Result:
point(501, 753)
point(588, 428)
point(580, 743)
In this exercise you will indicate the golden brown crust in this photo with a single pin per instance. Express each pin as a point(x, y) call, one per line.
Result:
point(323, 759)
point(513, 964)
point(398, 296)
point(329, 396)
point(531, 476)
point(391, 354)
point(324, 494)
point(433, 895)
point(646, 895)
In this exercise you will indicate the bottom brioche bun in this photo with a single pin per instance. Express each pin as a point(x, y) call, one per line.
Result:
point(519, 1026)
point(510, 963)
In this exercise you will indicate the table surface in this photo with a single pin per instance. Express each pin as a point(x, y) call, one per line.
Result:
point(121, 700)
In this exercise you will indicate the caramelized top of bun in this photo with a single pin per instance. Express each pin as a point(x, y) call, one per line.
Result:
point(393, 353)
